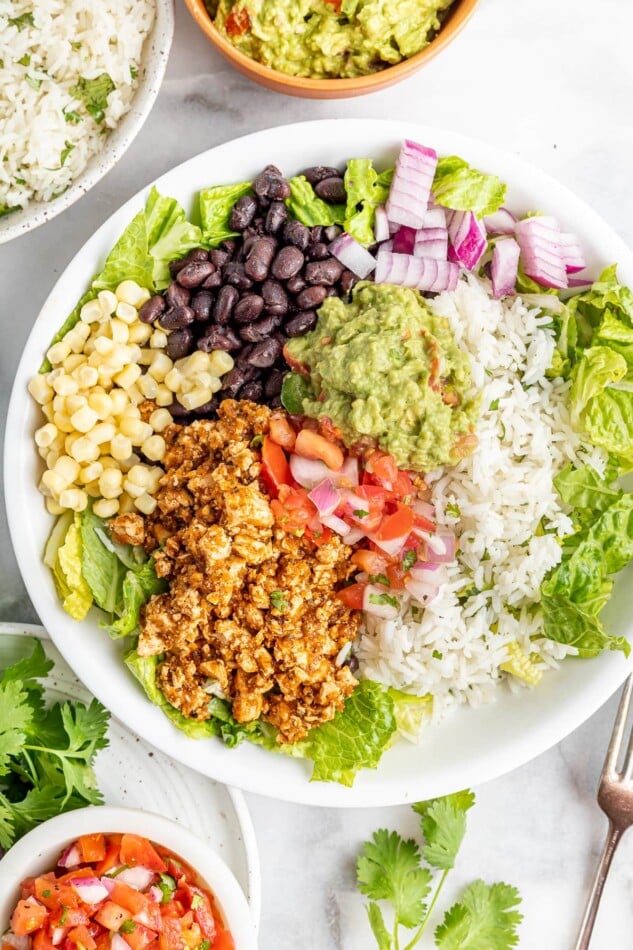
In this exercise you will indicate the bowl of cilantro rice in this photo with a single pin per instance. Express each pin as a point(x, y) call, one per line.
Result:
point(77, 81)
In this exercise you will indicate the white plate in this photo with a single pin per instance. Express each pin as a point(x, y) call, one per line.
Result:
point(470, 746)
point(132, 775)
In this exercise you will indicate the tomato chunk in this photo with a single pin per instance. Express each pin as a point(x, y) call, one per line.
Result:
point(81, 937)
point(171, 936)
point(136, 850)
point(275, 467)
point(311, 445)
point(112, 915)
point(352, 596)
point(92, 848)
point(396, 525)
point(128, 897)
point(384, 467)
point(370, 561)
point(201, 907)
point(28, 916)
point(223, 941)
point(138, 937)
point(111, 858)
point(238, 22)
point(293, 510)
point(54, 894)
point(41, 940)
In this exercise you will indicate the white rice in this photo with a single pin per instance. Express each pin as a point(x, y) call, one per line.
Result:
point(505, 497)
point(41, 151)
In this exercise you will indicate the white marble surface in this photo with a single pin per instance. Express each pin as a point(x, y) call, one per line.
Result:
point(551, 80)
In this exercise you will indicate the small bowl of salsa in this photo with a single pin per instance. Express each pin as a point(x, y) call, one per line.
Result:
point(106, 878)
point(330, 49)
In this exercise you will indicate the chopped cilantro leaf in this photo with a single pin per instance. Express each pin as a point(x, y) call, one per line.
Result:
point(25, 60)
point(22, 21)
point(127, 927)
point(409, 560)
point(167, 886)
point(257, 440)
point(197, 902)
point(437, 655)
point(94, 94)
point(65, 153)
point(133, 71)
point(46, 893)
point(33, 82)
point(204, 945)
point(278, 600)
point(453, 510)
point(72, 116)
point(494, 405)
point(75, 44)
point(379, 579)
point(64, 916)
point(383, 599)
point(360, 513)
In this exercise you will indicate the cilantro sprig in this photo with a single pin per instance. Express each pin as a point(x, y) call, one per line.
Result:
point(46, 754)
point(391, 869)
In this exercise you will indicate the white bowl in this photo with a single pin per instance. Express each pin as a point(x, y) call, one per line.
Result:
point(155, 55)
point(471, 745)
point(38, 851)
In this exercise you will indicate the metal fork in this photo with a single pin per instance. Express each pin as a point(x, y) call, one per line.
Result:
point(615, 797)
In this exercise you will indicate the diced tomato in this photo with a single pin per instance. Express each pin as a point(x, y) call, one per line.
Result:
point(223, 941)
point(403, 486)
point(41, 940)
point(128, 897)
point(136, 850)
point(370, 561)
point(352, 596)
point(53, 894)
point(111, 859)
point(111, 915)
point(69, 917)
point(275, 467)
point(282, 432)
point(150, 916)
point(397, 576)
point(138, 937)
point(173, 909)
point(80, 936)
point(103, 940)
point(383, 467)
point(28, 916)
point(319, 535)
point(27, 886)
point(92, 848)
point(201, 907)
point(395, 525)
point(424, 524)
point(171, 936)
point(238, 22)
point(293, 510)
point(312, 445)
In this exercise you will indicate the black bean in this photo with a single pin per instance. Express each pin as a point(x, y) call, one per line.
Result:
point(207, 408)
point(219, 338)
point(219, 257)
point(179, 343)
point(260, 257)
point(271, 184)
point(248, 309)
point(235, 275)
point(233, 382)
point(275, 402)
point(177, 265)
point(201, 305)
point(195, 273)
point(323, 272)
point(249, 241)
point(260, 329)
point(230, 246)
point(252, 391)
point(243, 212)
point(152, 308)
point(332, 292)
point(179, 412)
point(316, 234)
point(241, 360)
point(317, 173)
point(177, 296)
point(273, 383)
point(311, 297)
point(287, 263)
point(332, 232)
point(198, 254)
point(276, 216)
point(347, 281)
point(224, 303)
point(265, 353)
point(176, 318)
point(331, 190)
point(317, 251)
point(213, 281)
point(301, 323)
point(275, 297)
point(296, 233)
point(295, 284)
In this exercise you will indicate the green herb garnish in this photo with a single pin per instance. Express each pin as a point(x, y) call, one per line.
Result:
point(94, 94)
point(72, 117)
point(278, 600)
point(65, 152)
point(127, 927)
point(383, 599)
point(25, 60)
point(167, 886)
point(133, 71)
point(22, 21)
point(196, 902)
point(257, 440)
point(33, 82)
point(409, 560)
point(379, 579)
point(360, 513)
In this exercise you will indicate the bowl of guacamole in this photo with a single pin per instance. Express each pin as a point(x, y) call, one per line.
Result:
point(330, 48)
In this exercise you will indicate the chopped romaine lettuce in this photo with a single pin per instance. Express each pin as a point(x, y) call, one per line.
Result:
point(410, 712)
point(519, 664)
point(462, 188)
point(308, 208)
point(102, 570)
point(585, 488)
point(138, 586)
point(169, 235)
point(67, 571)
point(215, 211)
point(365, 190)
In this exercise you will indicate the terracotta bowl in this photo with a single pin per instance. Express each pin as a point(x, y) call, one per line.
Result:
point(457, 17)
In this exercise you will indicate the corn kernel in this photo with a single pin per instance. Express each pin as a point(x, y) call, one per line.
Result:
point(73, 403)
point(58, 352)
point(126, 312)
point(126, 504)
point(90, 472)
point(220, 362)
point(120, 332)
point(69, 441)
point(173, 380)
point(128, 376)
point(103, 432)
point(130, 292)
point(104, 346)
point(110, 483)
point(131, 411)
point(196, 398)
point(160, 366)
point(107, 302)
point(135, 394)
point(40, 390)
point(135, 430)
point(121, 447)
point(106, 508)
point(46, 435)
point(155, 473)
point(53, 483)
point(84, 419)
point(51, 458)
point(147, 357)
point(91, 312)
point(140, 332)
point(198, 362)
point(73, 498)
point(80, 331)
point(67, 467)
point(73, 362)
point(65, 385)
point(160, 419)
point(164, 396)
point(84, 450)
point(59, 403)
point(134, 490)
point(146, 504)
point(86, 376)
point(148, 386)
point(158, 340)
point(108, 462)
point(62, 422)
point(101, 404)
point(120, 400)
point(53, 507)
point(154, 448)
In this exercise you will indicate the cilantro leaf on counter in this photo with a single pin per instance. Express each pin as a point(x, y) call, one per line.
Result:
point(389, 869)
point(444, 827)
point(484, 919)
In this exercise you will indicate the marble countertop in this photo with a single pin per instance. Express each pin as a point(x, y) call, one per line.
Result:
point(553, 83)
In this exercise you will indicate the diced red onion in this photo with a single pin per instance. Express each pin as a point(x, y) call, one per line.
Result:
point(20, 943)
point(393, 547)
point(541, 251)
point(353, 535)
point(579, 282)
point(384, 611)
point(422, 591)
point(468, 238)
point(424, 566)
point(137, 877)
point(411, 185)
point(435, 217)
point(118, 943)
point(381, 224)
point(348, 471)
point(71, 857)
point(325, 497)
point(424, 508)
point(404, 241)
point(354, 502)
point(417, 272)
point(573, 257)
point(336, 524)
point(504, 268)
point(441, 546)
point(352, 255)
point(89, 889)
point(309, 472)
point(155, 893)
point(501, 222)
point(58, 935)
point(431, 243)
point(108, 882)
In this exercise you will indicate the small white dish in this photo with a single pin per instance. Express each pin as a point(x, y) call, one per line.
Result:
point(38, 852)
point(155, 55)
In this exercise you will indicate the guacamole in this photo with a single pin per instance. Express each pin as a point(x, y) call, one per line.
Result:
point(326, 39)
point(385, 366)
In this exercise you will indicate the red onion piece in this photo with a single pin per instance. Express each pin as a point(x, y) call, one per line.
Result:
point(579, 282)
point(20, 943)
point(89, 889)
point(431, 243)
point(404, 241)
point(424, 508)
point(71, 857)
point(59, 935)
point(381, 224)
point(501, 222)
point(468, 238)
point(504, 269)
point(155, 893)
point(393, 547)
point(118, 943)
point(411, 185)
point(435, 217)
point(137, 877)
point(573, 256)
point(417, 272)
point(325, 497)
point(352, 255)
point(336, 524)
point(353, 535)
point(422, 591)
point(385, 611)
point(541, 252)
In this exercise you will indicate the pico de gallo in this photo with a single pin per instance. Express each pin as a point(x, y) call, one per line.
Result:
point(320, 487)
point(116, 892)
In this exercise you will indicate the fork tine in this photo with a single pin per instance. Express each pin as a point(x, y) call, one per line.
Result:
point(617, 736)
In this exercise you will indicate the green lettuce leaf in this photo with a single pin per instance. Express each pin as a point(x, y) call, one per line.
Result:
point(608, 421)
point(566, 622)
point(169, 235)
point(410, 711)
point(356, 738)
point(73, 590)
point(215, 211)
point(129, 259)
point(307, 207)
point(138, 587)
point(462, 188)
point(101, 568)
point(605, 294)
point(598, 367)
point(585, 488)
point(365, 191)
